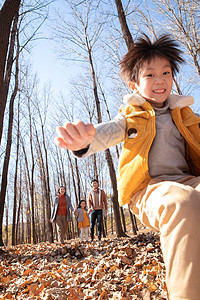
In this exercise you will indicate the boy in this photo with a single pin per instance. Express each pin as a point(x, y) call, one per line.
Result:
point(159, 167)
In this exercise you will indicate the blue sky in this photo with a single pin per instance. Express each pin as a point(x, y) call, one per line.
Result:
point(45, 56)
point(50, 68)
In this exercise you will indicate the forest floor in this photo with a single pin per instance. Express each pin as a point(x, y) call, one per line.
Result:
point(114, 268)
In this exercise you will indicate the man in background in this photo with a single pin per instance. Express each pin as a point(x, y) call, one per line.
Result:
point(97, 201)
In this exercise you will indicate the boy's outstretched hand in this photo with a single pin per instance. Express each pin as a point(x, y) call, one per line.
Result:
point(75, 136)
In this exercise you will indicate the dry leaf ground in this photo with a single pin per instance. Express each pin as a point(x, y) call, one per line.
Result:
point(115, 268)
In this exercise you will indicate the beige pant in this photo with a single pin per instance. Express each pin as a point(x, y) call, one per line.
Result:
point(62, 227)
point(173, 208)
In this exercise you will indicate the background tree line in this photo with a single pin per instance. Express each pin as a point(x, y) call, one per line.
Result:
point(91, 38)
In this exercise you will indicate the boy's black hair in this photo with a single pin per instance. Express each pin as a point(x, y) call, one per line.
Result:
point(94, 180)
point(143, 50)
point(79, 205)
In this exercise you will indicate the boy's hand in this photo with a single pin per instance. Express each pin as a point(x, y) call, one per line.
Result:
point(75, 136)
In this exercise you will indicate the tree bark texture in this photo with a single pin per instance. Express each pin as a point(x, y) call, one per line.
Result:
point(8, 151)
point(124, 27)
point(7, 14)
point(47, 191)
point(15, 186)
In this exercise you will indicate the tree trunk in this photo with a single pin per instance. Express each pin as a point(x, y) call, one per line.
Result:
point(18, 225)
point(48, 202)
point(78, 180)
point(95, 172)
point(117, 151)
point(6, 242)
point(123, 218)
point(7, 14)
point(17, 233)
point(134, 228)
point(124, 27)
point(5, 167)
point(8, 150)
point(62, 170)
point(111, 217)
point(42, 183)
point(34, 234)
point(28, 186)
point(114, 198)
point(15, 184)
point(22, 222)
point(43, 187)
point(73, 178)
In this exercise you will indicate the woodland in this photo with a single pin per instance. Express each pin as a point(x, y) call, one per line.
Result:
point(90, 38)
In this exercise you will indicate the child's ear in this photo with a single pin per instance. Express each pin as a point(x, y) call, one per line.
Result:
point(132, 85)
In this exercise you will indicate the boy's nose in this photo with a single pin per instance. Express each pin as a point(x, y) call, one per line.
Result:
point(159, 80)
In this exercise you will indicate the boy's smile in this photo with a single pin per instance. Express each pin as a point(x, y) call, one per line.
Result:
point(155, 81)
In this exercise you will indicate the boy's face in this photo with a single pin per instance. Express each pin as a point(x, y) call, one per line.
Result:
point(155, 81)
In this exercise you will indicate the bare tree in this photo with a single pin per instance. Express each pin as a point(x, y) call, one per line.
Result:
point(15, 182)
point(19, 238)
point(124, 27)
point(28, 185)
point(43, 187)
point(46, 178)
point(9, 142)
point(7, 14)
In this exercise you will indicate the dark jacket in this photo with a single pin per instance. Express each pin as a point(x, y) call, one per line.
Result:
point(69, 208)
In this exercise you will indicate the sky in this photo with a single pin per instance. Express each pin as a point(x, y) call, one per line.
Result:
point(45, 57)
point(49, 68)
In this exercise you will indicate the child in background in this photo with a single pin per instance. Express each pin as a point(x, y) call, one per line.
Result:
point(159, 166)
point(83, 220)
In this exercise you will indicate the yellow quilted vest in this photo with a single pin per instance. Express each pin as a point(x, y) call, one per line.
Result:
point(133, 174)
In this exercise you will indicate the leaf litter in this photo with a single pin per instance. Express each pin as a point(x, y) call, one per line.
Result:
point(118, 269)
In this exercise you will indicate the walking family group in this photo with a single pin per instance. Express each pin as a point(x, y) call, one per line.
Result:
point(87, 213)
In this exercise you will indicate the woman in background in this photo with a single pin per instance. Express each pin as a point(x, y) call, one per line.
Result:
point(61, 213)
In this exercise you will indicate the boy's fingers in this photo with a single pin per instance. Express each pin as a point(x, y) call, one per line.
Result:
point(84, 129)
point(81, 128)
point(72, 130)
point(59, 142)
point(91, 129)
point(68, 133)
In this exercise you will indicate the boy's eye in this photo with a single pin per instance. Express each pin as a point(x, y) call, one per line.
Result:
point(149, 75)
point(166, 73)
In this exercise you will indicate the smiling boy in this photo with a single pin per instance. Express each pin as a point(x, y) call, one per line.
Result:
point(159, 166)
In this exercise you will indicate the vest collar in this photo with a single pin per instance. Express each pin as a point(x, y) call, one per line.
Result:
point(174, 100)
